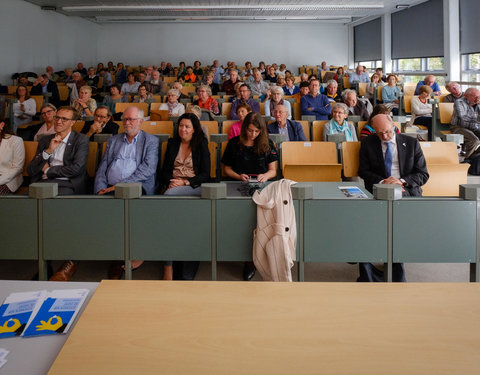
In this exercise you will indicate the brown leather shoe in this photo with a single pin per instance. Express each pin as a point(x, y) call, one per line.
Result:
point(65, 272)
point(115, 272)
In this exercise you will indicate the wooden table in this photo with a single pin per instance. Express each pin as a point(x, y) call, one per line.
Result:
point(158, 327)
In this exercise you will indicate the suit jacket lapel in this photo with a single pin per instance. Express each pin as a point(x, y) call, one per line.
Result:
point(401, 151)
point(68, 147)
point(140, 148)
point(379, 154)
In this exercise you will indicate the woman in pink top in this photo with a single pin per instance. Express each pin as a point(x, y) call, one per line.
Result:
point(242, 111)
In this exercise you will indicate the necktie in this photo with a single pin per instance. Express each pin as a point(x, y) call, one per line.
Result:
point(388, 160)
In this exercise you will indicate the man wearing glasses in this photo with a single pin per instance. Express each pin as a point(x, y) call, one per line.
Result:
point(102, 123)
point(244, 99)
point(61, 157)
point(389, 158)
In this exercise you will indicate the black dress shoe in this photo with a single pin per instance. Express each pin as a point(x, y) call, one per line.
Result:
point(248, 271)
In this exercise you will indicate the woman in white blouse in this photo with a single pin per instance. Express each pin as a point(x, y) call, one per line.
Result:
point(172, 105)
point(24, 109)
point(12, 158)
point(422, 109)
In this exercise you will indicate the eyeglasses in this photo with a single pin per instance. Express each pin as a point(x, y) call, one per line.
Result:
point(44, 113)
point(130, 120)
point(100, 116)
point(62, 119)
point(388, 132)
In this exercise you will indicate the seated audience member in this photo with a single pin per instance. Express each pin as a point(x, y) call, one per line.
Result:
point(209, 82)
point(244, 99)
point(355, 107)
point(237, 92)
point(91, 77)
point(131, 86)
point(114, 97)
point(304, 78)
point(339, 76)
point(102, 123)
point(206, 101)
point(182, 70)
point(323, 66)
point(359, 75)
point(68, 77)
point(429, 81)
point(281, 80)
point(332, 91)
point(142, 78)
point(23, 80)
point(379, 72)
point(179, 87)
point(271, 76)
point(368, 129)
point(391, 93)
point(218, 72)
point(148, 72)
point(164, 69)
point(189, 75)
point(314, 103)
point(229, 85)
point(143, 95)
point(47, 113)
point(422, 110)
point(242, 111)
point(81, 69)
point(466, 112)
point(197, 70)
point(304, 90)
point(107, 77)
point(110, 66)
point(455, 92)
point(290, 89)
point(281, 69)
point(172, 105)
point(129, 157)
point(24, 109)
point(282, 125)
point(78, 80)
point(338, 123)
point(197, 111)
point(389, 158)
point(43, 85)
point(12, 158)
point(85, 105)
point(100, 66)
point(51, 75)
point(250, 155)
point(248, 70)
point(375, 81)
point(120, 74)
point(261, 67)
point(277, 99)
point(258, 86)
point(312, 76)
point(156, 86)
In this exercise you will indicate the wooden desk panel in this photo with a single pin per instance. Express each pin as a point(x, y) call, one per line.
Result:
point(156, 327)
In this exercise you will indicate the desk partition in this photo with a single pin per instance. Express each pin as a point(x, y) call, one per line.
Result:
point(330, 227)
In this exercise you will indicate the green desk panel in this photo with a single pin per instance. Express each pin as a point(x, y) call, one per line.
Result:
point(18, 228)
point(170, 229)
point(345, 231)
point(83, 228)
point(434, 231)
point(236, 220)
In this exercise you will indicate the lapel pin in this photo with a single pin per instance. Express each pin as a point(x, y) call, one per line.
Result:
point(404, 145)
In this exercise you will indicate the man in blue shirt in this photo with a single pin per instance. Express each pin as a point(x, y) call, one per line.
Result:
point(359, 75)
point(244, 99)
point(315, 104)
point(429, 81)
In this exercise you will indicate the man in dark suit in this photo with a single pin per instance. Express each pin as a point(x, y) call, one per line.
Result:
point(389, 158)
point(61, 158)
point(102, 123)
point(43, 85)
point(282, 125)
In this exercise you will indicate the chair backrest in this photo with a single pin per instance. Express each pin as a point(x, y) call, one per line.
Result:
point(350, 157)
point(440, 152)
point(169, 80)
point(409, 88)
point(226, 107)
point(155, 106)
point(362, 88)
point(407, 101)
point(120, 107)
point(297, 111)
point(92, 158)
point(346, 83)
point(262, 109)
point(30, 150)
point(226, 126)
point(38, 101)
point(317, 130)
point(360, 126)
point(309, 152)
point(379, 92)
point(306, 128)
point(63, 92)
point(78, 126)
point(212, 126)
point(158, 127)
point(446, 112)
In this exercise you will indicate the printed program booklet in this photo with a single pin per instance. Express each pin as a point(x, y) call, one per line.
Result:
point(353, 192)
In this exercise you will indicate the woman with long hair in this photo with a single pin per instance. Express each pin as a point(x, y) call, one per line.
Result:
point(12, 158)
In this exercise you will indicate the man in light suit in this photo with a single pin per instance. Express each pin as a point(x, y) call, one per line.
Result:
point(62, 157)
point(130, 157)
point(389, 158)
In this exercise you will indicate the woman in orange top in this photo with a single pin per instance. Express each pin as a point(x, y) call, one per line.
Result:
point(205, 100)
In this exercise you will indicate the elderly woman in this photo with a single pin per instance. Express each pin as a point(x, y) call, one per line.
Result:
point(206, 101)
point(143, 95)
point(209, 82)
point(243, 110)
point(339, 76)
point(277, 99)
point(390, 94)
point(172, 105)
point(12, 158)
point(85, 105)
point(131, 86)
point(338, 123)
point(47, 112)
point(281, 80)
point(114, 97)
point(290, 89)
point(24, 109)
point(422, 110)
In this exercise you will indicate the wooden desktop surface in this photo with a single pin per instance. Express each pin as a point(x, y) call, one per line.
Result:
point(158, 327)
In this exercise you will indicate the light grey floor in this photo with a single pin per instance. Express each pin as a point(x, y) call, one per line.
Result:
point(232, 271)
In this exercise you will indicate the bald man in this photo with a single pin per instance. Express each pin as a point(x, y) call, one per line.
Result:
point(466, 112)
point(429, 81)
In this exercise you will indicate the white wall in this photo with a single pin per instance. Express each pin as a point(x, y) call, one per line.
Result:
point(31, 39)
point(292, 43)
